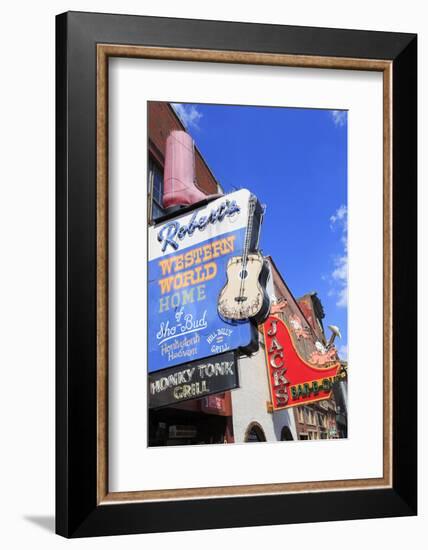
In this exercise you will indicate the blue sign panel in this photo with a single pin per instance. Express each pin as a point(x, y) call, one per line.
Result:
point(187, 270)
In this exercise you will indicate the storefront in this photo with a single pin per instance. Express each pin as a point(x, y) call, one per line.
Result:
point(197, 422)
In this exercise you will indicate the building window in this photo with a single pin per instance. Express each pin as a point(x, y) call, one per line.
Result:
point(286, 434)
point(300, 416)
point(254, 433)
point(155, 190)
point(310, 419)
point(322, 420)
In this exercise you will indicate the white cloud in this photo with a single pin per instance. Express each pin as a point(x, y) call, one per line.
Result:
point(341, 271)
point(341, 215)
point(188, 114)
point(342, 297)
point(343, 351)
point(339, 117)
point(340, 280)
point(339, 275)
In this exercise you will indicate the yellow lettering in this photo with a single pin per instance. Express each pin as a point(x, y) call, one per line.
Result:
point(230, 244)
point(207, 252)
point(189, 259)
point(210, 271)
point(166, 265)
point(217, 247)
point(166, 284)
point(199, 255)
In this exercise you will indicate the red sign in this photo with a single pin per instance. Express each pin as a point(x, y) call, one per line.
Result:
point(292, 380)
point(213, 402)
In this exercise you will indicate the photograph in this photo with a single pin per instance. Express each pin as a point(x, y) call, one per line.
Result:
point(247, 274)
point(235, 239)
point(213, 235)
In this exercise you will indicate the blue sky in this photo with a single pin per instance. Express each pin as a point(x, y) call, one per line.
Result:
point(295, 161)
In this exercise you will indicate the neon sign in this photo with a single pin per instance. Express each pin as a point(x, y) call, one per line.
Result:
point(188, 256)
point(292, 380)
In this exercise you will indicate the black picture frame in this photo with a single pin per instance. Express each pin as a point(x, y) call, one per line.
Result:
point(78, 512)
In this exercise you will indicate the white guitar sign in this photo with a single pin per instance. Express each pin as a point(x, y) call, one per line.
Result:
point(244, 294)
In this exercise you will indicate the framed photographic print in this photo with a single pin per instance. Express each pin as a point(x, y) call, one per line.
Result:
point(236, 263)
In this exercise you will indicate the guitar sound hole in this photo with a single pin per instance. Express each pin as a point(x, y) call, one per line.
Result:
point(243, 274)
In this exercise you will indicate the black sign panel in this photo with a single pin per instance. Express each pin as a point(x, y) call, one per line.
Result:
point(215, 374)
